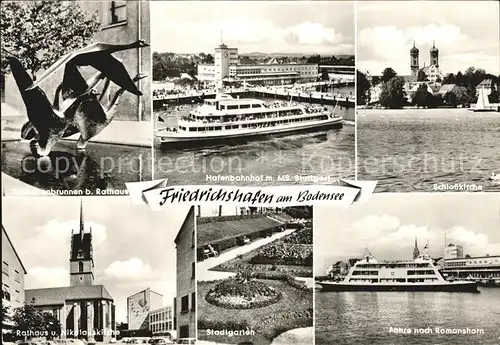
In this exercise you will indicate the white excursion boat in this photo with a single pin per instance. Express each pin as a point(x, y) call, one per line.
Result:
point(225, 118)
point(418, 275)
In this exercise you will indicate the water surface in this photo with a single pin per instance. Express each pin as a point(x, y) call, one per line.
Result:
point(356, 318)
point(416, 149)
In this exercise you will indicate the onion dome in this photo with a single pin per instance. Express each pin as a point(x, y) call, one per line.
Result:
point(414, 50)
point(434, 49)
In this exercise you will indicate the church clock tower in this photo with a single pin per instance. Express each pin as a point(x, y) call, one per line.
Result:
point(414, 63)
point(81, 262)
point(434, 54)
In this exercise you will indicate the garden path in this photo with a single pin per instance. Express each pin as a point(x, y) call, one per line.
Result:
point(203, 272)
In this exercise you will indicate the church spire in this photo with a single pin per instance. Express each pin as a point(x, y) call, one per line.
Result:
point(82, 230)
point(416, 252)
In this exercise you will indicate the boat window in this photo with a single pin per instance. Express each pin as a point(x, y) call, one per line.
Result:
point(229, 107)
point(256, 106)
point(244, 106)
point(218, 128)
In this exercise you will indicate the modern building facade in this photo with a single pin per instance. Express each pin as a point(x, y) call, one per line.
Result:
point(478, 267)
point(84, 310)
point(13, 272)
point(139, 305)
point(161, 320)
point(185, 302)
point(226, 67)
point(121, 22)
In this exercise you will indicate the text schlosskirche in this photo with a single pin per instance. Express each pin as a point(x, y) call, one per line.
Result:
point(181, 195)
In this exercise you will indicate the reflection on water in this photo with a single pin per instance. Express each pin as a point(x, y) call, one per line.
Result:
point(413, 149)
point(326, 153)
point(102, 169)
point(366, 317)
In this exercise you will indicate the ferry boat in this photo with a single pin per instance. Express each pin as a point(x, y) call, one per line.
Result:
point(226, 118)
point(417, 275)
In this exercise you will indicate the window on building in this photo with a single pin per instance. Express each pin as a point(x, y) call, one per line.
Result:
point(5, 268)
point(193, 270)
point(80, 266)
point(79, 255)
point(16, 276)
point(193, 239)
point(185, 304)
point(118, 12)
point(5, 292)
point(184, 331)
point(193, 301)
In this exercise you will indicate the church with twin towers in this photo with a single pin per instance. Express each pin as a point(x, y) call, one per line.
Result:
point(432, 71)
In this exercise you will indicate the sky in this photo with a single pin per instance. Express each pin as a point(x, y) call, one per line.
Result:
point(323, 27)
point(388, 224)
point(133, 246)
point(466, 33)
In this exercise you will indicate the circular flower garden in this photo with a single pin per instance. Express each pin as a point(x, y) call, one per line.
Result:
point(241, 292)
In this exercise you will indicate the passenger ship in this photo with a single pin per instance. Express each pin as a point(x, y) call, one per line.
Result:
point(418, 275)
point(226, 118)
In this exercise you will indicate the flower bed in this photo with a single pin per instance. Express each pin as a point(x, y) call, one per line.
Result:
point(237, 293)
point(304, 236)
point(284, 254)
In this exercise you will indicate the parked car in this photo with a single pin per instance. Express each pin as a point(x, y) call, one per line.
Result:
point(188, 341)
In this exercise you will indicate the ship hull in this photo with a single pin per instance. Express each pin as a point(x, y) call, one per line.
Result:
point(170, 140)
point(444, 287)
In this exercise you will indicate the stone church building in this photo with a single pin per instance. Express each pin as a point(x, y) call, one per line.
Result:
point(84, 309)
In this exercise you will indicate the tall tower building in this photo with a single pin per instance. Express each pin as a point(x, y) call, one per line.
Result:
point(434, 54)
point(414, 65)
point(81, 262)
point(416, 252)
point(221, 59)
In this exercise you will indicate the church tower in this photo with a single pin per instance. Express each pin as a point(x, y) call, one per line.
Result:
point(434, 52)
point(81, 262)
point(414, 65)
point(416, 252)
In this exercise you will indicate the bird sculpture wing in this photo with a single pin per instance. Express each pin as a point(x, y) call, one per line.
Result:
point(39, 109)
point(97, 55)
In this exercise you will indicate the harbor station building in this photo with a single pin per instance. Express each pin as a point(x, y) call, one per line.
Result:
point(227, 68)
point(84, 309)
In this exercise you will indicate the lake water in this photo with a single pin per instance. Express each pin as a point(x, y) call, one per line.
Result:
point(312, 156)
point(414, 149)
point(101, 168)
point(359, 318)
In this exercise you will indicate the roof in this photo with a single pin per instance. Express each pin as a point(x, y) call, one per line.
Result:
point(13, 248)
point(486, 83)
point(59, 295)
point(212, 229)
point(190, 214)
point(446, 88)
point(142, 291)
point(475, 257)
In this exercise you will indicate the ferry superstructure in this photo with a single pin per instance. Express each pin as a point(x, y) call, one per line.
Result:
point(225, 118)
point(417, 275)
